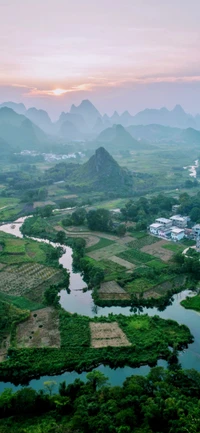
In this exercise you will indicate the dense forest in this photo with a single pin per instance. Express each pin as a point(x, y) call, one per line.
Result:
point(164, 401)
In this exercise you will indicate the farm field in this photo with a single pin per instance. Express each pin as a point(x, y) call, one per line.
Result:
point(81, 343)
point(107, 334)
point(40, 330)
point(21, 280)
point(111, 290)
point(16, 250)
point(24, 270)
point(138, 263)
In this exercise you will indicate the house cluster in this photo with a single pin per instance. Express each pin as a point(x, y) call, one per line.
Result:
point(174, 228)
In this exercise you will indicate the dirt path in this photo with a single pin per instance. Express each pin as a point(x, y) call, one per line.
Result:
point(90, 239)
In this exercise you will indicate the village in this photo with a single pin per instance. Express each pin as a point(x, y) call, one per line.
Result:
point(176, 228)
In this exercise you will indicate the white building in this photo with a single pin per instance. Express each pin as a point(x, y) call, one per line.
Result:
point(177, 234)
point(167, 223)
point(179, 221)
point(196, 230)
point(164, 233)
point(175, 208)
point(154, 228)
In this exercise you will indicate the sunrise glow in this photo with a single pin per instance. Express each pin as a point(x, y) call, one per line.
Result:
point(58, 92)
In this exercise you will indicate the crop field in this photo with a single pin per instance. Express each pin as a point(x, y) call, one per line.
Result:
point(175, 248)
point(122, 262)
point(16, 251)
point(135, 256)
point(107, 334)
point(111, 290)
point(112, 270)
point(18, 281)
point(40, 330)
point(142, 242)
point(107, 252)
point(102, 243)
point(157, 250)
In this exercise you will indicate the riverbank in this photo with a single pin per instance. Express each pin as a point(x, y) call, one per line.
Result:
point(79, 302)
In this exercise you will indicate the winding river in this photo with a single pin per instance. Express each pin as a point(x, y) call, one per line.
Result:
point(82, 303)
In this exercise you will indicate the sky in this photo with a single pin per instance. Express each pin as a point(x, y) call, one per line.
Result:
point(119, 54)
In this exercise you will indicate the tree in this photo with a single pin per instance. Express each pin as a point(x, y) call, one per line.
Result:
point(121, 230)
point(78, 217)
point(51, 296)
point(195, 214)
point(96, 379)
point(49, 386)
point(99, 219)
point(60, 237)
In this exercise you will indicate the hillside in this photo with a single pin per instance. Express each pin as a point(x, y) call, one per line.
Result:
point(100, 173)
point(40, 118)
point(118, 138)
point(174, 118)
point(19, 132)
point(163, 134)
point(88, 111)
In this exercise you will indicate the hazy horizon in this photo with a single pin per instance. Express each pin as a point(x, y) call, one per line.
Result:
point(119, 55)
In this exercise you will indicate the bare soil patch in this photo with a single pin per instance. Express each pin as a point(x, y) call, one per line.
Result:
point(40, 330)
point(107, 334)
point(122, 262)
point(111, 290)
point(124, 240)
point(157, 250)
point(70, 196)
point(42, 203)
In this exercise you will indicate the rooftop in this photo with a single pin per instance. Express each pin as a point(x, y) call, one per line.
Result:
point(178, 218)
point(156, 225)
point(197, 226)
point(176, 230)
point(163, 220)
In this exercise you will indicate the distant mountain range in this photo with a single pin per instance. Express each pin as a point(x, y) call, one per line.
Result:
point(30, 129)
point(88, 120)
point(165, 134)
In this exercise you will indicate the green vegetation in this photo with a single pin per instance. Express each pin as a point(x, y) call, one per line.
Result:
point(142, 240)
point(149, 338)
point(103, 242)
point(37, 226)
point(21, 302)
point(17, 251)
point(176, 248)
point(9, 317)
point(192, 303)
point(157, 264)
point(135, 256)
point(163, 401)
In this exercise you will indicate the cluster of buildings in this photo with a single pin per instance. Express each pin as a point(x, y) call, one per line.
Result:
point(174, 228)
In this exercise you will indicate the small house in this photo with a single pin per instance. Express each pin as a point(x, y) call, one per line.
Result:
point(177, 234)
point(179, 221)
point(166, 223)
point(196, 230)
point(154, 228)
point(175, 208)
